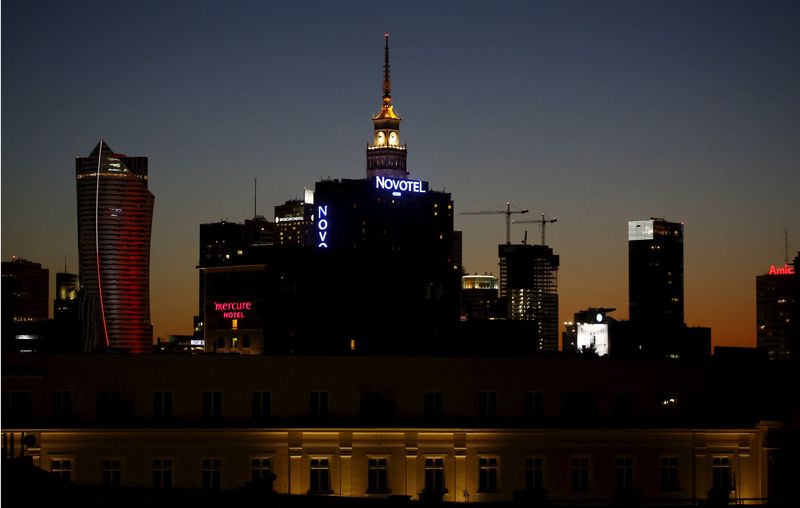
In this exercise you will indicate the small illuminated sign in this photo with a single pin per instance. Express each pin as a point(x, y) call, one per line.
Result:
point(322, 226)
point(233, 310)
point(399, 186)
point(293, 218)
point(777, 270)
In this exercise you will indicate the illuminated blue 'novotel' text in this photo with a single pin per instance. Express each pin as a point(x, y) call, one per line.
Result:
point(390, 184)
point(322, 225)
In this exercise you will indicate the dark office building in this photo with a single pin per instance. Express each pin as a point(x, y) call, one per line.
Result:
point(777, 296)
point(529, 289)
point(655, 272)
point(115, 214)
point(26, 291)
point(399, 239)
point(479, 297)
point(25, 304)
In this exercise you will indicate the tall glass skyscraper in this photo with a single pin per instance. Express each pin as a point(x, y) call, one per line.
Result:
point(115, 214)
point(655, 272)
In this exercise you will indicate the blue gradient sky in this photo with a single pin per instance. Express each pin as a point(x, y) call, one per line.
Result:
point(593, 112)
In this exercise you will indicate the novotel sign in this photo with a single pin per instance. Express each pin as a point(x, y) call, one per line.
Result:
point(233, 310)
point(397, 187)
point(777, 270)
point(322, 226)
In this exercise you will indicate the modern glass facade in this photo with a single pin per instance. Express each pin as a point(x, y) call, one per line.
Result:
point(115, 214)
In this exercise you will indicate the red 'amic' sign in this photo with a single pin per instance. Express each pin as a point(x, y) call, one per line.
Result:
point(785, 270)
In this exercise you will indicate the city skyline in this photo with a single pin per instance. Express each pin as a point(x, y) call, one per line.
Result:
point(595, 114)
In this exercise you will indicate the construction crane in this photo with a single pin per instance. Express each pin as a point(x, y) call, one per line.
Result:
point(543, 221)
point(507, 212)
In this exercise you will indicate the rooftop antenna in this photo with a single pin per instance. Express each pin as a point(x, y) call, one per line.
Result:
point(255, 196)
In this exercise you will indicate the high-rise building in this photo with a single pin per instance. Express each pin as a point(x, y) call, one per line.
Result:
point(529, 287)
point(478, 296)
point(25, 290)
point(294, 219)
point(399, 237)
point(655, 272)
point(65, 305)
point(115, 213)
point(777, 296)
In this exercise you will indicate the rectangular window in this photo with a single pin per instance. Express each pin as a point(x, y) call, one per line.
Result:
point(668, 474)
point(579, 474)
point(623, 472)
point(63, 468)
point(212, 473)
point(624, 403)
point(17, 405)
point(111, 405)
point(373, 404)
point(318, 403)
point(434, 474)
point(487, 474)
point(162, 404)
point(261, 469)
point(262, 405)
point(487, 404)
point(162, 473)
point(212, 405)
point(320, 480)
point(111, 472)
point(721, 474)
point(534, 473)
point(376, 481)
point(433, 404)
point(534, 404)
point(62, 404)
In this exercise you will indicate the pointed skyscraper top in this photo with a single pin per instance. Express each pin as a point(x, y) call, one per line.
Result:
point(387, 109)
point(387, 84)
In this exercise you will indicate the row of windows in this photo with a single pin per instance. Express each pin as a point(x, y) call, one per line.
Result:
point(114, 404)
point(261, 468)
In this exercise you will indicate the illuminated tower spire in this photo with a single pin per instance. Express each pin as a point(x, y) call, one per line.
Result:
point(386, 156)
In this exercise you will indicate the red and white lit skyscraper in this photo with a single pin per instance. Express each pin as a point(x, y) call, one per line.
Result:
point(115, 212)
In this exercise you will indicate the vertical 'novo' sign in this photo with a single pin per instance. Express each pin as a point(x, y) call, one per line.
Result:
point(322, 226)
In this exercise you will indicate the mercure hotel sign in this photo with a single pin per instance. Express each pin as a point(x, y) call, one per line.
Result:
point(233, 310)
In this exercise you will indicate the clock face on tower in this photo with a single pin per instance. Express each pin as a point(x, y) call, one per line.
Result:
point(393, 139)
point(380, 138)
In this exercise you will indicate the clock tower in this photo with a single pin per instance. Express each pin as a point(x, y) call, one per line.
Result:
point(385, 155)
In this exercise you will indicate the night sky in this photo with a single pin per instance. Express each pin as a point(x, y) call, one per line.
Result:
point(593, 112)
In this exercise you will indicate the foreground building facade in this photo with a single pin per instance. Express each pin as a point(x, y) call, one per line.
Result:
point(462, 429)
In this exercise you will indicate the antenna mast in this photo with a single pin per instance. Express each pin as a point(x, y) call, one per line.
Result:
point(255, 197)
